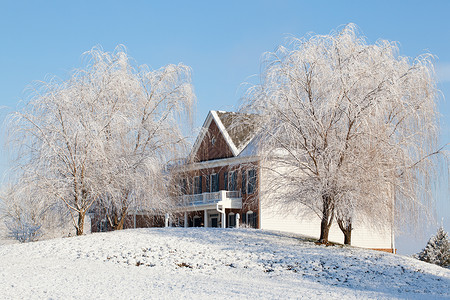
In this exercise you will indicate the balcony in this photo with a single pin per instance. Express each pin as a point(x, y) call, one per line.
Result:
point(226, 199)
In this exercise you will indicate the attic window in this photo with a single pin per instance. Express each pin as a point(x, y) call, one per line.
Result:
point(213, 140)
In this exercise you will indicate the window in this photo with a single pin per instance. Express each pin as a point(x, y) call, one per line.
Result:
point(103, 226)
point(251, 185)
point(244, 183)
point(230, 181)
point(251, 219)
point(225, 181)
point(232, 185)
point(197, 221)
point(184, 186)
point(213, 141)
point(231, 220)
point(198, 184)
point(208, 183)
point(214, 182)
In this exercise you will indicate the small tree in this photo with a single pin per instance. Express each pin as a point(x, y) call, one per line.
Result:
point(437, 250)
point(346, 125)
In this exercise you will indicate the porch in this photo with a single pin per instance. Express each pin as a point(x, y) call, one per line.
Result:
point(225, 199)
point(213, 206)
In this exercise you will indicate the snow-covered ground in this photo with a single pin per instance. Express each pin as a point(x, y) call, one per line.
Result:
point(168, 263)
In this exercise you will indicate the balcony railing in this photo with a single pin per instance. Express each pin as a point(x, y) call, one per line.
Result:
point(209, 198)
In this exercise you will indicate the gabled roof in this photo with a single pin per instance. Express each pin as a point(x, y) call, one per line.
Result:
point(237, 135)
point(240, 127)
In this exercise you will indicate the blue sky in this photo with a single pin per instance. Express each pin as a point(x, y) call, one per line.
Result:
point(222, 41)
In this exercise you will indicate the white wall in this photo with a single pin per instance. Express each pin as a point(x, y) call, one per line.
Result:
point(303, 221)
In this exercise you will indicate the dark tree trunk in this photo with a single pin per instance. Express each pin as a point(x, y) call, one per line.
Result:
point(324, 230)
point(346, 228)
point(327, 218)
point(348, 237)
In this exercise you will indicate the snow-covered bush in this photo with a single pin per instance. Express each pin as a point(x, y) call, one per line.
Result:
point(437, 251)
point(23, 229)
point(28, 216)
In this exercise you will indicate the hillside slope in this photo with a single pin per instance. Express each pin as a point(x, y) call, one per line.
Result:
point(199, 262)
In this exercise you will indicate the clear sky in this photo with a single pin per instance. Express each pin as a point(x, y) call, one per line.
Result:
point(222, 41)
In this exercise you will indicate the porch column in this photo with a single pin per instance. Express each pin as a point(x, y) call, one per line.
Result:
point(185, 220)
point(224, 219)
point(205, 221)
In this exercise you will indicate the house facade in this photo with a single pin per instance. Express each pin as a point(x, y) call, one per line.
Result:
point(221, 186)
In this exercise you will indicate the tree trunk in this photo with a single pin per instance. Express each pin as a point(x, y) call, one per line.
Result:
point(327, 219)
point(348, 237)
point(324, 230)
point(80, 225)
point(119, 220)
point(346, 228)
point(122, 219)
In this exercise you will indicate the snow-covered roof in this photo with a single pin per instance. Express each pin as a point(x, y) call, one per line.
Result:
point(241, 128)
point(238, 129)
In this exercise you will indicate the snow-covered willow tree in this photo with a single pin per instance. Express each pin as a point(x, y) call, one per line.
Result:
point(346, 125)
point(104, 135)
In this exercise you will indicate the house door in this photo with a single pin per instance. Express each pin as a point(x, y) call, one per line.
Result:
point(197, 221)
point(214, 220)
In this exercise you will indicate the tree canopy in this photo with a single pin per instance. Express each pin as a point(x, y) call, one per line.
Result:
point(104, 135)
point(348, 125)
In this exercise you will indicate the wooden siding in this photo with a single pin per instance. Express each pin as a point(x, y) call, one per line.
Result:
point(249, 201)
point(210, 151)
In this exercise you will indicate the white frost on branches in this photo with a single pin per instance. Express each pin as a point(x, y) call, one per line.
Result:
point(28, 215)
point(103, 136)
point(348, 124)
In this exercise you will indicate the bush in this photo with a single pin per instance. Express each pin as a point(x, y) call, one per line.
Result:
point(23, 230)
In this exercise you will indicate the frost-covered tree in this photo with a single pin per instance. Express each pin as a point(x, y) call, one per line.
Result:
point(437, 250)
point(143, 136)
point(103, 134)
point(27, 215)
point(347, 124)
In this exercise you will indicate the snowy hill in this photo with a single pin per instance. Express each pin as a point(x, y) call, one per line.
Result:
point(183, 263)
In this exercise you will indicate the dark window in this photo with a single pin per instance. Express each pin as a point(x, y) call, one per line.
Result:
point(244, 183)
point(198, 184)
point(184, 186)
point(214, 182)
point(214, 220)
point(232, 220)
point(233, 181)
point(190, 185)
point(251, 181)
point(197, 221)
point(252, 219)
point(225, 181)
point(208, 183)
